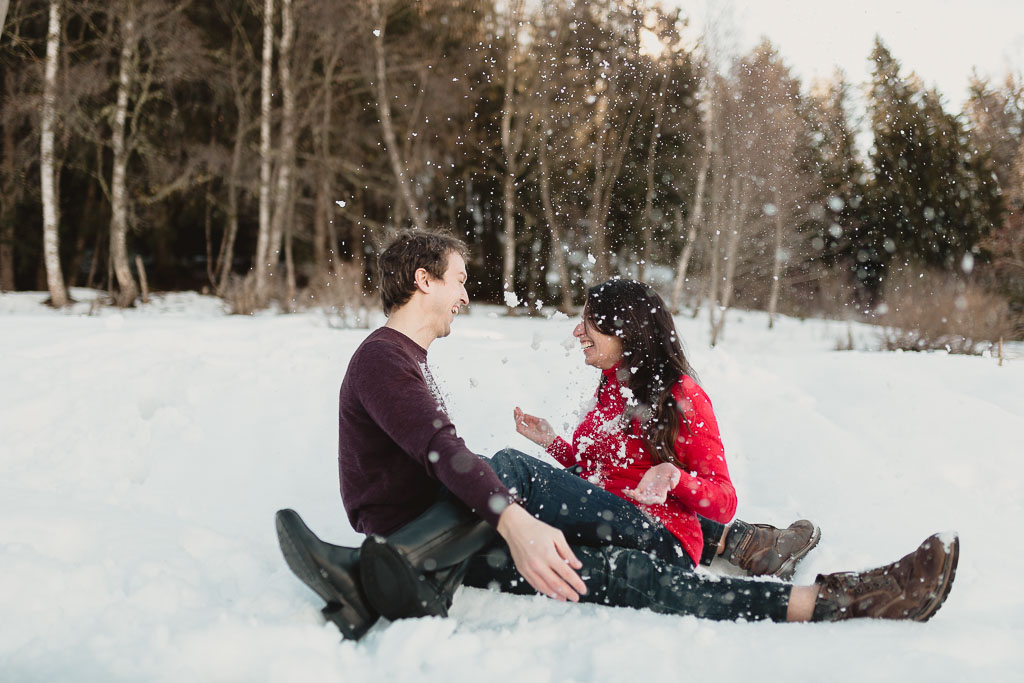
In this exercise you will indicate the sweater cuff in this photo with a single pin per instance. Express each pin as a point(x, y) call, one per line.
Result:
point(561, 450)
point(688, 487)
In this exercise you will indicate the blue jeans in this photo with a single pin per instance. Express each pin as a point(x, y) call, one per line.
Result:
point(586, 513)
point(629, 559)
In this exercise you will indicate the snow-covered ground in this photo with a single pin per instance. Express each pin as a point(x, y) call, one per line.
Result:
point(143, 455)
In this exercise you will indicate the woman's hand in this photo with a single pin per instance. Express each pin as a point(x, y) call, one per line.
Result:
point(533, 428)
point(655, 484)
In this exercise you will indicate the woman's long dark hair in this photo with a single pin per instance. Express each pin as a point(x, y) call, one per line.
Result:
point(652, 358)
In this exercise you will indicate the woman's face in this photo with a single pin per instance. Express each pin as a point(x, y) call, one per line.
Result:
point(601, 350)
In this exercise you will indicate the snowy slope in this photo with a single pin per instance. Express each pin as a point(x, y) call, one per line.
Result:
point(144, 454)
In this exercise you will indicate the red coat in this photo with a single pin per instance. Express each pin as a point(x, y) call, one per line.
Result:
point(615, 460)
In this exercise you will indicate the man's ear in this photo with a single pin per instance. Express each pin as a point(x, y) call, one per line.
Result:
point(422, 279)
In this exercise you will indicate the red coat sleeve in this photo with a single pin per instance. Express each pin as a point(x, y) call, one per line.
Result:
point(705, 486)
point(562, 451)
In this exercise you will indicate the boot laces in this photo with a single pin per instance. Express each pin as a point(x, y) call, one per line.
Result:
point(882, 581)
point(857, 585)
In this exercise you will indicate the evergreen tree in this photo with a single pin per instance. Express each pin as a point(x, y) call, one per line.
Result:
point(837, 216)
point(932, 197)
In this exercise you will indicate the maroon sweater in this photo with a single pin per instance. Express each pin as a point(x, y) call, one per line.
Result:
point(396, 445)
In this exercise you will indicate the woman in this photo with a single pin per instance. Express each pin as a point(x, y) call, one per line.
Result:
point(652, 437)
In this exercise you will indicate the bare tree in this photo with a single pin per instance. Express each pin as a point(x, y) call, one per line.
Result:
point(263, 242)
point(240, 83)
point(595, 85)
point(399, 166)
point(730, 195)
point(779, 256)
point(778, 132)
point(558, 239)
point(721, 193)
point(511, 144)
point(721, 289)
point(610, 146)
point(47, 167)
point(280, 225)
point(7, 192)
point(341, 34)
point(127, 289)
point(788, 188)
point(324, 231)
point(696, 215)
point(757, 187)
point(544, 114)
point(157, 49)
point(647, 228)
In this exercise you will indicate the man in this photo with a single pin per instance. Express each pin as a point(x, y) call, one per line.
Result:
point(432, 507)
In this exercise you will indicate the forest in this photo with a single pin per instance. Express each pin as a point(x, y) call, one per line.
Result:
point(265, 150)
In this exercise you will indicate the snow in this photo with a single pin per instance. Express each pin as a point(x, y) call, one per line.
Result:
point(145, 452)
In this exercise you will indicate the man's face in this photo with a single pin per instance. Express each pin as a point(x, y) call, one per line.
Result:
point(449, 294)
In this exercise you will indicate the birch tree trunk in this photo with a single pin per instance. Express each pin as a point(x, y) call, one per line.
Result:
point(227, 255)
point(773, 298)
point(715, 206)
point(595, 219)
point(558, 246)
point(510, 146)
point(696, 216)
point(51, 210)
point(127, 289)
point(648, 229)
point(736, 225)
point(260, 262)
point(289, 257)
point(324, 249)
point(6, 215)
point(398, 166)
point(281, 221)
point(684, 258)
point(723, 300)
point(613, 147)
point(716, 317)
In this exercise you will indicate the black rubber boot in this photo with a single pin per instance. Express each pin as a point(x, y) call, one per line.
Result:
point(331, 571)
point(414, 572)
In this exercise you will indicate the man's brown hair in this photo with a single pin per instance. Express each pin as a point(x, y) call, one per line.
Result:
point(410, 251)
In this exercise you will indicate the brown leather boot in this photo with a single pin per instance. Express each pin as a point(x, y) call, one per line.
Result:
point(912, 588)
point(763, 550)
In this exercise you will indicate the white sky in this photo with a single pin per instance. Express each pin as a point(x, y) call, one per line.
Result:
point(940, 40)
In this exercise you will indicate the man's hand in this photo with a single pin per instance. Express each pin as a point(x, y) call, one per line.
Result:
point(541, 554)
point(655, 484)
point(533, 428)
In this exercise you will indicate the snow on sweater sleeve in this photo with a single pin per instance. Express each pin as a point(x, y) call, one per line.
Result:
point(705, 486)
point(562, 451)
point(394, 393)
